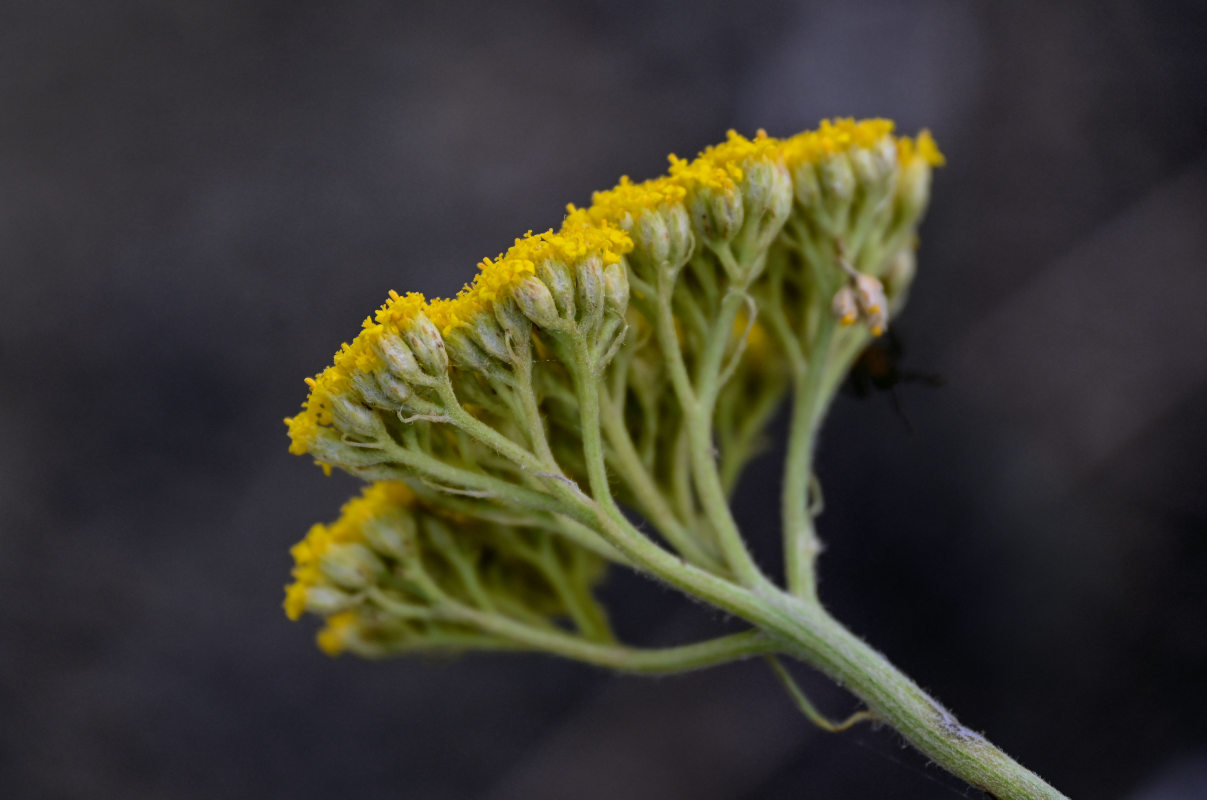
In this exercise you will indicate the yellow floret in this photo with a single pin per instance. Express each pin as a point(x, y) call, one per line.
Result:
point(833, 137)
point(332, 639)
point(720, 167)
point(375, 500)
point(924, 147)
point(627, 200)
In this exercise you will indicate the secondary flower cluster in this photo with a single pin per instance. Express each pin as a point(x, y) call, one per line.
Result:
point(629, 359)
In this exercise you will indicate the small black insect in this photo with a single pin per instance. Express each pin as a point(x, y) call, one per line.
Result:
point(878, 369)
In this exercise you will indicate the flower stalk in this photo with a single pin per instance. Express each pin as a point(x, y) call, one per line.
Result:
point(627, 364)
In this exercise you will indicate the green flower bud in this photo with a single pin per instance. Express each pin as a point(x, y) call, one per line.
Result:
point(556, 275)
point(662, 236)
point(767, 193)
point(589, 277)
point(328, 447)
point(837, 180)
point(651, 234)
point(351, 566)
point(326, 600)
point(427, 345)
point(913, 191)
point(488, 334)
point(899, 273)
point(465, 354)
point(717, 215)
point(392, 535)
point(874, 167)
point(396, 391)
point(616, 288)
point(807, 187)
point(354, 419)
point(397, 357)
point(367, 387)
point(536, 301)
point(515, 325)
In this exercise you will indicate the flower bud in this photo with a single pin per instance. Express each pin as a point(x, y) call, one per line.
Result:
point(392, 535)
point(767, 189)
point(351, 566)
point(663, 235)
point(717, 214)
point(651, 235)
point(515, 326)
point(874, 166)
point(365, 385)
point(556, 275)
point(395, 391)
point(807, 187)
point(465, 354)
point(616, 288)
point(326, 600)
point(536, 301)
point(899, 273)
point(588, 275)
point(397, 357)
point(426, 344)
point(489, 336)
point(913, 190)
point(837, 180)
point(328, 447)
point(352, 418)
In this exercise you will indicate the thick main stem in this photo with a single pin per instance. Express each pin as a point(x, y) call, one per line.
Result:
point(805, 630)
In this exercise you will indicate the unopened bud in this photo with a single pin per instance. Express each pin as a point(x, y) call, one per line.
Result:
point(588, 275)
point(899, 273)
point(395, 390)
point(870, 167)
point(397, 357)
point(651, 235)
point(515, 325)
point(351, 566)
point(352, 418)
point(838, 189)
point(913, 190)
point(768, 201)
point(616, 288)
point(489, 336)
point(536, 301)
point(806, 185)
point(718, 214)
point(367, 387)
point(556, 275)
point(327, 600)
point(426, 344)
point(465, 354)
point(392, 535)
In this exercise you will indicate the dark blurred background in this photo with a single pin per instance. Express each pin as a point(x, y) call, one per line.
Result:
point(200, 201)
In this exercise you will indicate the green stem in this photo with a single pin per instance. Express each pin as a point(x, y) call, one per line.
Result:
point(807, 631)
point(697, 410)
point(809, 402)
point(625, 659)
point(653, 504)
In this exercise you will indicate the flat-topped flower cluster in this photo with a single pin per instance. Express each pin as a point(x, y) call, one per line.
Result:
point(630, 359)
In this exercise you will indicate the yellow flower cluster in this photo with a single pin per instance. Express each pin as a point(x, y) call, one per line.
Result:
point(377, 499)
point(601, 230)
